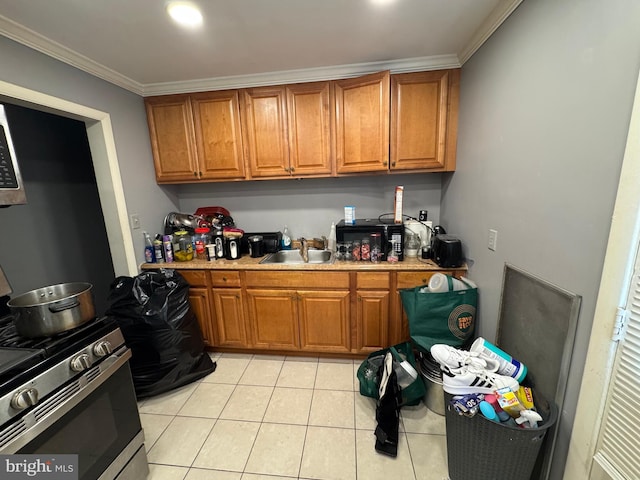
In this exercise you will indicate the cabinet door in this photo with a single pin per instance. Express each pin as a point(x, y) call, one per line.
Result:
point(373, 320)
point(218, 135)
point(309, 128)
point(324, 321)
point(273, 316)
point(362, 123)
point(265, 131)
point(229, 317)
point(199, 302)
point(172, 138)
point(424, 119)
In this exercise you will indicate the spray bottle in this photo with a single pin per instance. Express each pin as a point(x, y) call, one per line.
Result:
point(149, 255)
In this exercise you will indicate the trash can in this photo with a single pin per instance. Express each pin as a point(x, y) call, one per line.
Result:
point(479, 449)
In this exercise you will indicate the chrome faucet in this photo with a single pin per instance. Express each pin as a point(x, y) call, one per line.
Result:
point(304, 249)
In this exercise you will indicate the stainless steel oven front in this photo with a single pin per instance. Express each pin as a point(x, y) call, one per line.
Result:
point(95, 416)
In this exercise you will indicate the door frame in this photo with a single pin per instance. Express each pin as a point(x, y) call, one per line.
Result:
point(617, 272)
point(105, 164)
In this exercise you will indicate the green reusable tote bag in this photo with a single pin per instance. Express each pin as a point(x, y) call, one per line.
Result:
point(440, 317)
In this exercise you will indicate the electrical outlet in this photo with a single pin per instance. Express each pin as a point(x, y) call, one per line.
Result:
point(493, 239)
point(135, 221)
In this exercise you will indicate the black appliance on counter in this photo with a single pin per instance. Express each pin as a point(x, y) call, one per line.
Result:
point(271, 242)
point(392, 234)
point(446, 251)
point(72, 393)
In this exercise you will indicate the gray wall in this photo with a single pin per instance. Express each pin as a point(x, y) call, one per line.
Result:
point(29, 69)
point(544, 114)
point(309, 206)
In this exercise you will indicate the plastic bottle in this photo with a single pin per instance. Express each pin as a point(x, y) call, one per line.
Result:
point(508, 366)
point(286, 239)
point(331, 241)
point(201, 240)
point(158, 250)
point(168, 248)
point(149, 256)
point(493, 401)
point(488, 411)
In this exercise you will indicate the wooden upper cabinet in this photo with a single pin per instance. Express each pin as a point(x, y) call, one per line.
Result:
point(218, 134)
point(362, 123)
point(309, 116)
point(172, 138)
point(265, 132)
point(424, 118)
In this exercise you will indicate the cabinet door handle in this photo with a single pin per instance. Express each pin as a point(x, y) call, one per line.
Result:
point(359, 298)
point(200, 174)
point(384, 164)
point(195, 174)
point(291, 169)
point(224, 279)
point(424, 280)
point(393, 164)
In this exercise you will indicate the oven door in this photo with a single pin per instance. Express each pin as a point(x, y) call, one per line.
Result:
point(101, 425)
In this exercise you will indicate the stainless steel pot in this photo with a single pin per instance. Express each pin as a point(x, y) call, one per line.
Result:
point(53, 309)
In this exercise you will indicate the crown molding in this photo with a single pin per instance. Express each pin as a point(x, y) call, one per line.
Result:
point(42, 44)
point(488, 27)
point(303, 75)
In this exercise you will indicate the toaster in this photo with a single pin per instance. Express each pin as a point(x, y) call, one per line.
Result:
point(447, 251)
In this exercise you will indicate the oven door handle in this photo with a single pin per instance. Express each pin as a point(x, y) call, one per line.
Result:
point(54, 407)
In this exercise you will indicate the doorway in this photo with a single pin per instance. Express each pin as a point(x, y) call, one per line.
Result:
point(105, 164)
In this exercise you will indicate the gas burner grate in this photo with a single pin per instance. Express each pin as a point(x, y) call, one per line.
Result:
point(9, 336)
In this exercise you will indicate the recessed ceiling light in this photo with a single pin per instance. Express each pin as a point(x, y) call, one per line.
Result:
point(382, 2)
point(185, 13)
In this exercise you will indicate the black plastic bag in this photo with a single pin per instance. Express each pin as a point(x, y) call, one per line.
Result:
point(162, 331)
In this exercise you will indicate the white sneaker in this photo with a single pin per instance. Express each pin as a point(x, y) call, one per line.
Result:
point(469, 379)
point(451, 358)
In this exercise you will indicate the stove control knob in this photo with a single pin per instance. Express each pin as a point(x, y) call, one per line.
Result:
point(102, 349)
point(80, 362)
point(25, 398)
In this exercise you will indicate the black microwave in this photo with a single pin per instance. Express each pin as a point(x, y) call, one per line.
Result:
point(391, 233)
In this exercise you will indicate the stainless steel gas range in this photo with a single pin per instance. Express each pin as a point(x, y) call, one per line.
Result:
point(72, 394)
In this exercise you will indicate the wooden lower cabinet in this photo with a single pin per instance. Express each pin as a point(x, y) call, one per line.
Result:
point(372, 330)
point(273, 316)
point(200, 302)
point(372, 311)
point(229, 317)
point(227, 305)
point(353, 313)
point(324, 321)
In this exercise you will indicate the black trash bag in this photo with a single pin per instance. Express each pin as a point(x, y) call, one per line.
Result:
point(162, 331)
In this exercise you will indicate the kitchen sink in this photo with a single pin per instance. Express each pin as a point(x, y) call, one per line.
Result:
point(293, 257)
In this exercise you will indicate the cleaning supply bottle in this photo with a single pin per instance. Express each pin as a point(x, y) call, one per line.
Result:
point(331, 241)
point(149, 255)
point(168, 248)
point(508, 366)
point(286, 239)
point(158, 250)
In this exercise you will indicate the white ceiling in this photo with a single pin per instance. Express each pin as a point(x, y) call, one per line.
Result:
point(134, 44)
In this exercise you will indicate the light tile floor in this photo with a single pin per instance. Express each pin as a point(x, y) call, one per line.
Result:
point(261, 417)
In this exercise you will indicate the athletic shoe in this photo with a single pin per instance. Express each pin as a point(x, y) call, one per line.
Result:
point(469, 379)
point(451, 358)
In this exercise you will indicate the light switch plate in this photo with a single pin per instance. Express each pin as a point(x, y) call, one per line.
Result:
point(493, 239)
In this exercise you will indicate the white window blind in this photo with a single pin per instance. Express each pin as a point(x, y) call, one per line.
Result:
point(619, 441)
